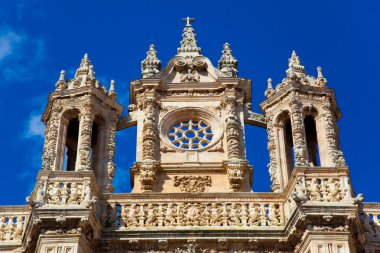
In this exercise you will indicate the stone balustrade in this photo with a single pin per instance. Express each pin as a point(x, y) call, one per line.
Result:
point(187, 212)
point(321, 185)
point(13, 220)
point(65, 188)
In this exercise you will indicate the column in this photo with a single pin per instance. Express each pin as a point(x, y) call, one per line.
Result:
point(86, 117)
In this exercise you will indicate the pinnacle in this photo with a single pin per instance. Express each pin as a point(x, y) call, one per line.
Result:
point(295, 66)
point(188, 42)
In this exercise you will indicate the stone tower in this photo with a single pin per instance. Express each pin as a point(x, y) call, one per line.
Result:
point(191, 179)
point(301, 114)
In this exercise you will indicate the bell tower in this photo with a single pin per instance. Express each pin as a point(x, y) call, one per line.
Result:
point(190, 122)
point(81, 119)
point(301, 114)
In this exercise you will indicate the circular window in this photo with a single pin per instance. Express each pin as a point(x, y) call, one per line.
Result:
point(190, 134)
point(190, 128)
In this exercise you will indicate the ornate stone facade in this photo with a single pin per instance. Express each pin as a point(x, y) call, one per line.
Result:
point(191, 179)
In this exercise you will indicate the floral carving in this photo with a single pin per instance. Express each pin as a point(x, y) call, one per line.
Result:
point(192, 183)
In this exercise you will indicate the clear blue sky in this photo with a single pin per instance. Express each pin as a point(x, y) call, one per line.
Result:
point(39, 38)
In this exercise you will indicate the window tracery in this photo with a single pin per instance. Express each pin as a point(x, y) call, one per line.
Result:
point(191, 134)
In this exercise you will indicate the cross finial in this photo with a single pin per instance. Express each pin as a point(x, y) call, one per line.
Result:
point(188, 20)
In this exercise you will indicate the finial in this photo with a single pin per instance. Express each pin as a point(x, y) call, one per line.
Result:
point(84, 66)
point(295, 66)
point(151, 65)
point(188, 42)
point(188, 20)
point(112, 92)
point(112, 85)
point(62, 75)
point(61, 84)
point(321, 80)
point(269, 91)
point(319, 70)
point(228, 64)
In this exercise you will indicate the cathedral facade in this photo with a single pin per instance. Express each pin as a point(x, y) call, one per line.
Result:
point(191, 180)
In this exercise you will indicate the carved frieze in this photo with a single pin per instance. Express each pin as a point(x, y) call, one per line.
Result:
point(192, 183)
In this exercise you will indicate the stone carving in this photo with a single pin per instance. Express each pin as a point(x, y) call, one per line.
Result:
point(69, 193)
point(335, 154)
point(85, 131)
point(151, 65)
point(272, 166)
point(324, 189)
point(148, 174)
point(235, 170)
point(11, 227)
point(111, 153)
point(192, 183)
point(228, 64)
point(298, 132)
point(187, 214)
point(188, 42)
point(232, 127)
point(51, 137)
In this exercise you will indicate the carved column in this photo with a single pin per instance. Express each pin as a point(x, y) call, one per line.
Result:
point(235, 166)
point(110, 157)
point(334, 153)
point(84, 143)
point(150, 143)
point(273, 165)
point(298, 132)
point(51, 137)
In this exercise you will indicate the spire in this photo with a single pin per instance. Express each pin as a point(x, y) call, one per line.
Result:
point(61, 83)
point(112, 92)
point(151, 65)
point(188, 42)
point(84, 66)
point(321, 80)
point(228, 64)
point(269, 91)
point(295, 66)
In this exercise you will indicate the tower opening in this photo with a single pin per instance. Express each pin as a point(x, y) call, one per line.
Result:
point(312, 140)
point(289, 150)
point(71, 144)
point(285, 148)
point(94, 145)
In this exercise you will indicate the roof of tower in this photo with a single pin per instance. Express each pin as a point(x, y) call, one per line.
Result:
point(189, 65)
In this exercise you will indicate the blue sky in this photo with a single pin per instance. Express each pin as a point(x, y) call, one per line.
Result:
point(39, 38)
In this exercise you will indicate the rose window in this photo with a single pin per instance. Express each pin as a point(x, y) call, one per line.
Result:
point(190, 134)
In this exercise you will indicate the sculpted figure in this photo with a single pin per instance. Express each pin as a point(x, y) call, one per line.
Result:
point(254, 218)
point(234, 215)
point(273, 215)
point(151, 216)
point(19, 228)
point(131, 219)
point(169, 215)
point(314, 190)
point(215, 216)
point(74, 194)
point(9, 229)
point(55, 194)
point(334, 190)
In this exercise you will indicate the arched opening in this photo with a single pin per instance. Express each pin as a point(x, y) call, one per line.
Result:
point(285, 141)
point(68, 141)
point(311, 138)
point(71, 145)
point(98, 154)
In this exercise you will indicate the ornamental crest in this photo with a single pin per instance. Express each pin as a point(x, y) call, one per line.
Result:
point(192, 183)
